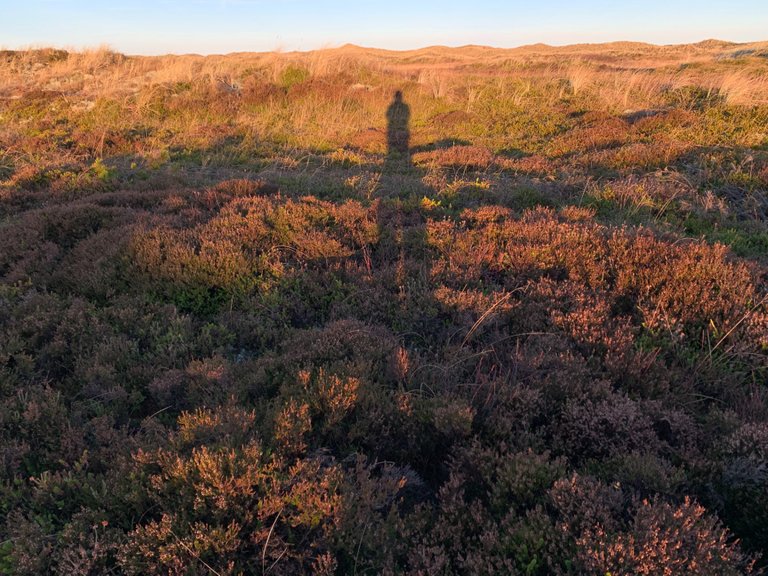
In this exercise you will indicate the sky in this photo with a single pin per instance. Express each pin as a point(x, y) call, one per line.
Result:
point(222, 26)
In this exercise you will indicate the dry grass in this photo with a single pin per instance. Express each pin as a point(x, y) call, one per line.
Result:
point(108, 73)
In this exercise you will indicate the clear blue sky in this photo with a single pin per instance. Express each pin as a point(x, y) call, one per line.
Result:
point(220, 26)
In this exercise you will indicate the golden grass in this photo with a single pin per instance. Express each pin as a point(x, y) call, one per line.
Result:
point(621, 73)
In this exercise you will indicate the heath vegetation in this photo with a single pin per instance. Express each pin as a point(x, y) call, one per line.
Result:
point(240, 334)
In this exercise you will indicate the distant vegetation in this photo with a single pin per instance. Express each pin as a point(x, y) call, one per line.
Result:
point(240, 336)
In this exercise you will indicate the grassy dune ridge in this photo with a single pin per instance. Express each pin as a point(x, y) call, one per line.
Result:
point(241, 333)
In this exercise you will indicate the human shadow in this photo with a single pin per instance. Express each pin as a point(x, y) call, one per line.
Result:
point(398, 130)
point(399, 176)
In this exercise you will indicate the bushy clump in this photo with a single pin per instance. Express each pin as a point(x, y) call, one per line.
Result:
point(744, 480)
point(659, 287)
point(203, 383)
point(658, 538)
point(598, 430)
point(221, 507)
point(664, 538)
point(691, 97)
point(293, 75)
point(247, 244)
point(474, 529)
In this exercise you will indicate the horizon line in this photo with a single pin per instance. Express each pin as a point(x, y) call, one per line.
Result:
point(329, 47)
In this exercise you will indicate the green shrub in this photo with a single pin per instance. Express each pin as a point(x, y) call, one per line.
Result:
point(293, 75)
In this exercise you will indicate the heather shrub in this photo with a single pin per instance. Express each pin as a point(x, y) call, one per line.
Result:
point(743, 484)
point(613, 426)
point(211, 428)
point(249, 245)
point(464, 157)
point(582, 502)
point(30, 551)
point(488, 519)
point(233, 507)
point(34, 428)
point(346, 347)
point(204, 383)
point(599, 134)
point(656, 538)
point(662, 539)
point(329, 396)
point(642, 472)
point(88, 545)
